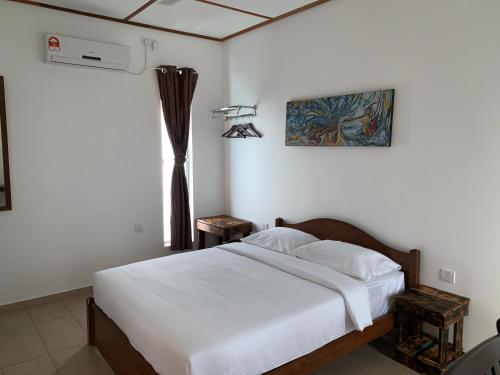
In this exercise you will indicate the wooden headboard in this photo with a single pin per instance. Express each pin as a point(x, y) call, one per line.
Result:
point(331, 229)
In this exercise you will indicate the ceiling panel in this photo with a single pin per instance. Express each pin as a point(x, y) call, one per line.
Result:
point(195, 17)
point(111, 8)
point(270, 8)
point(208, 19)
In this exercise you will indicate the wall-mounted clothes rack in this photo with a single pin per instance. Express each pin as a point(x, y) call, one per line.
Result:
point(240, 116)
point(235, 112)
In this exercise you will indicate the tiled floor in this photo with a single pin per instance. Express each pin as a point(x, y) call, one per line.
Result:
point(366, 361)
point(49, 339)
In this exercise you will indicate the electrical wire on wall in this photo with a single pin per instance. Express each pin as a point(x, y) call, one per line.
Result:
point(148, 44)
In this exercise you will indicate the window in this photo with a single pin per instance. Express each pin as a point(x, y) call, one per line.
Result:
point(168, 160)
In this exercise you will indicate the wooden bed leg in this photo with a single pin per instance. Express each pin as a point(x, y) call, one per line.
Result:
point(90, 321)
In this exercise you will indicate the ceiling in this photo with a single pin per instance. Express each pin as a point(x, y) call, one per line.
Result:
point(217, 20)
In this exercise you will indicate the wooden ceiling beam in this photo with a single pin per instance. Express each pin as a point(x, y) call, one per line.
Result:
point(113, 19)
point(141, 9)
point(278, 18)
point(233, 9)
point(127, 20)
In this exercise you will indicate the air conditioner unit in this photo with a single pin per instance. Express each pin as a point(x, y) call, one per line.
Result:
point(87, 53)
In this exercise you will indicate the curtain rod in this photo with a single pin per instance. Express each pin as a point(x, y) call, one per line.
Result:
point(164, 70)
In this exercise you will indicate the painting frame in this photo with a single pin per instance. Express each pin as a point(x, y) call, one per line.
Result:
point(348, 120)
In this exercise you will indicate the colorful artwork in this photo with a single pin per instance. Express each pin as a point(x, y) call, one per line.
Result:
point(347, 120)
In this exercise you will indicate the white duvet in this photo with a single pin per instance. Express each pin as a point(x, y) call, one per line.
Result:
point(235, 309)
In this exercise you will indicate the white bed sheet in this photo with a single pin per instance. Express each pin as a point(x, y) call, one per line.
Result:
point(254, 317)
point(381, 289)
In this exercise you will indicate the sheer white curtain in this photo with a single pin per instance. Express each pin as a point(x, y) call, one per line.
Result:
point(168, 165)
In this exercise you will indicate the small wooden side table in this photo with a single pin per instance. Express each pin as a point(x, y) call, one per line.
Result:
point(422, 351)
point(223, 226)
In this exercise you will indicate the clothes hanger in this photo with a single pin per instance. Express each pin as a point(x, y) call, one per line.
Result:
point(234, 129)
point(231, 130)
point(240, 133)
point(242, 130)
point(251, 126)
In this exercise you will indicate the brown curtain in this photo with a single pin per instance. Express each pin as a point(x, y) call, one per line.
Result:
point(176, 92)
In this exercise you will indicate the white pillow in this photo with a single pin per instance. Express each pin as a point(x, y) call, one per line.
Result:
point(280, 239)
point(349, 259)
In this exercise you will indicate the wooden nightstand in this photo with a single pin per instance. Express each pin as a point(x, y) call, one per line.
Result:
point(226, 228)
point(422, 351)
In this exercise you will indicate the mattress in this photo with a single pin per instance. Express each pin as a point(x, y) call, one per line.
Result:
point(217, 312)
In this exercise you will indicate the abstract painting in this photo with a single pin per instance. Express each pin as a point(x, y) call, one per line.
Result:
point(348, 120)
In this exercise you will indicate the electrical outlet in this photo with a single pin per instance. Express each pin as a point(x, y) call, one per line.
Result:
point(151, 44)
point(447, 275)
point(139, 228)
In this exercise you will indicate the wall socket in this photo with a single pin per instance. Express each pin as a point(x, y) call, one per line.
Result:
point(259, 227)
point(151, 44)
point(447, 275)
point(139, 228)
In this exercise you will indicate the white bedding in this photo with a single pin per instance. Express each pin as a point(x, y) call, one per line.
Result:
point(217, 311)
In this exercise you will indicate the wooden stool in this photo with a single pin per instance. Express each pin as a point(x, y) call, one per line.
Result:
point(422, 351)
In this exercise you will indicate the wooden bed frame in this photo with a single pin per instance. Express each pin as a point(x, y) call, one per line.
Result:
point(125, 360)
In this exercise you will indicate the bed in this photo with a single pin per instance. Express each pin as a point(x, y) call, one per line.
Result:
point(267, 314)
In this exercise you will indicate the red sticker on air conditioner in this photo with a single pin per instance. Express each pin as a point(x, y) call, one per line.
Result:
point(54, 44)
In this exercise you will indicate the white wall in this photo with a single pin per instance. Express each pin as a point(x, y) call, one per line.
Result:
point(85, 152)
point(436, 188)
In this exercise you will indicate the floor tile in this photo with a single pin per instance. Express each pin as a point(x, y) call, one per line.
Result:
point(20, 345)
point(61, 333)
point(12, 306)
point(42, 300)
point(365, 361)
point(14, 319)
point(40, 366)
point(81, 319)
point(76, 304)
point(82, 360)
point(85, 290)
point(47, 312)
